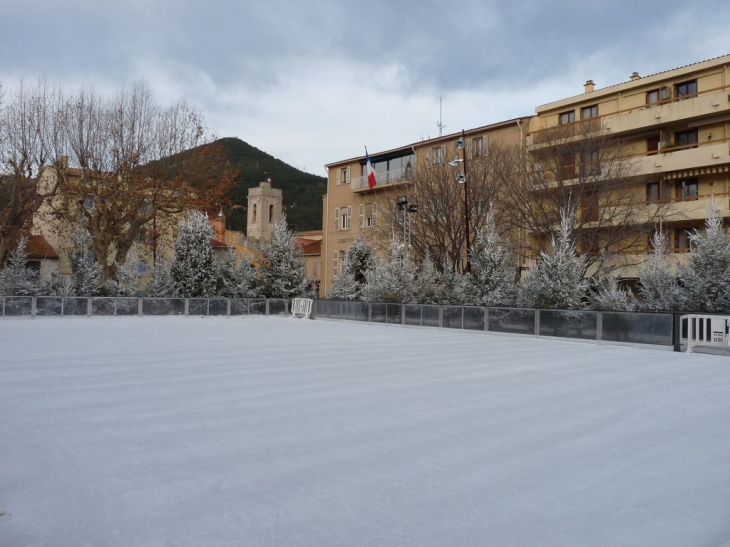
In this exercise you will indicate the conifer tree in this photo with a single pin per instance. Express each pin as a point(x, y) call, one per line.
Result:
point(492, 269)
point(559, 281)
point(128, 274)
point(452, 287)
point(657, 285)
point(161, 285)
point(236, 278)
point(392, 281)
point(706, 279)
point(85, 278)
point(282, 272)
point(609, 296)
point(426, 288)
point(358, 260)
point(193, 271)
point(16, 278)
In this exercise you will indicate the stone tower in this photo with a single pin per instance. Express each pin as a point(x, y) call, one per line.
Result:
point(264, 210)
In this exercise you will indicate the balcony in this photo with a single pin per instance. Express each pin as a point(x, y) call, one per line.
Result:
point(395, 177)
point(702, 106)
point(704, 156)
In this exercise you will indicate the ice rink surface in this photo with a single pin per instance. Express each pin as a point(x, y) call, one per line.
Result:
point(271, 431)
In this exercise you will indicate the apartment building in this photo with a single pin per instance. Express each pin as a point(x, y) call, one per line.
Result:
point(672, 129)
point(354, 207)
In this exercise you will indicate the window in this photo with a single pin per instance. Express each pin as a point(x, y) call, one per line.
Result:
point(567, 164)
point(315, 268)
point(658, 191)
point(344, 175)
point(650, 237)
point(271, 213)
point(589, 207)
point(681, 240)
point(345, 214)
point(145, 207)
point(566, 117)
point(686, 90)
point(687, 189)
point(477, 147)
point(142, 267)
point(254, 212)
point(435, 155)
point(652, 97)
point(335, 263)
point(368, 214)
point(652, 145)
point(589, 244)
point(589, 112)
point(34, 265)
point(88, 202)
point(686, 138)
point(590, 162)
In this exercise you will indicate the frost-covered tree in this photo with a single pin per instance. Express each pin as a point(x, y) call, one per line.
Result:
point(357, 262)
point(608, 295)
point(161, 285)
point(85, 278)
point(657, 285)
point(426, 288)
point(236, 278)
point(453, 287)
point(16, 278)
point(492, 269)
point(283, 266)
point(706, 279)
point(559, 279)
point(128, 275)
point(392, 281)
point(193, 271)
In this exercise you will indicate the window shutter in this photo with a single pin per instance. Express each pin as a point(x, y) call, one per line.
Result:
point(362, 215)
point(374, 213)
point(337, 218)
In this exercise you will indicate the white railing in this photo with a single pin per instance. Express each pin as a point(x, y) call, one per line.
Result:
point(383, 179)
point(706, 330)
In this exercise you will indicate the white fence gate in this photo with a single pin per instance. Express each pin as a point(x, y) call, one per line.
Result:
point(705, 330)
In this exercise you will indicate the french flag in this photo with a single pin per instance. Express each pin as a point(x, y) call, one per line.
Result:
point(371, 171)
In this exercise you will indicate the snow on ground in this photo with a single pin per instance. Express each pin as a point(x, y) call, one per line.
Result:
point(262, 431)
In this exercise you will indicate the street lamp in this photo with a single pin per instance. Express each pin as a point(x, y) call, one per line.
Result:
point(460, 144)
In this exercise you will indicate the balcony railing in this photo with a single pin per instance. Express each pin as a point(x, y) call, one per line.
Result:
point(385, 178)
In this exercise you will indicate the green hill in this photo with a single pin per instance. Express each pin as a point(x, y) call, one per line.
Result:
point(302, 192)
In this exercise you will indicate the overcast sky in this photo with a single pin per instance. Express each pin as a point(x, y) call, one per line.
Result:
point(314, 81)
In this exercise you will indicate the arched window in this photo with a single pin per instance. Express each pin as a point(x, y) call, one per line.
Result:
point(254, 212)
point(271, 213)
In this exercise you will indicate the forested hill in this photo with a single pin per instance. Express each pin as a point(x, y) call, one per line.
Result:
point(302, 192)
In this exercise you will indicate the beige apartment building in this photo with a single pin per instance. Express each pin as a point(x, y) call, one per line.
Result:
point(672, 129)
point(651, 151)
point(351, 207)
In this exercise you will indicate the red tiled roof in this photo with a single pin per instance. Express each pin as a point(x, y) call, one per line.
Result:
point(38, 247)
point(311, 248)
point(218, 244)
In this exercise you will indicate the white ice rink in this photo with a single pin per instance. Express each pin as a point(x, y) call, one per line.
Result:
point(271, 431)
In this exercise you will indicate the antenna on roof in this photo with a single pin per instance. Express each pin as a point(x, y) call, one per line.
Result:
point(440, 124)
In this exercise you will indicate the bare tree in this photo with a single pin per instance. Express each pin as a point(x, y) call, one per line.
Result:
point(30, 141)
point(589, 175)
point(136, 162)
point(438, 227)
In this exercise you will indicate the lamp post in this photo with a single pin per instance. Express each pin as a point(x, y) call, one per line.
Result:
point(463, 179)
point(406, 209)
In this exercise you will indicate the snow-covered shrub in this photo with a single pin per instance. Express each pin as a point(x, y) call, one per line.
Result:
point(85, 278)
point(392, 281)
point(608, 295)
point(706, 279)
point(193, 271)
point(283, 267)
point(236, 278)
point(357, 262)
point(492, 269)
point(128, 275)
point(16, 278)
point(161, 285)
point(657, 285)
point(559, 279)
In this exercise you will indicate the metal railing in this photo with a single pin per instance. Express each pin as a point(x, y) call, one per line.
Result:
point(383, 179)
point(66, 306)
point(633, 328)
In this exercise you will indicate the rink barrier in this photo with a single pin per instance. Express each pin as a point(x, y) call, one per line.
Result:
point(99, 306)
point(655, 329)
